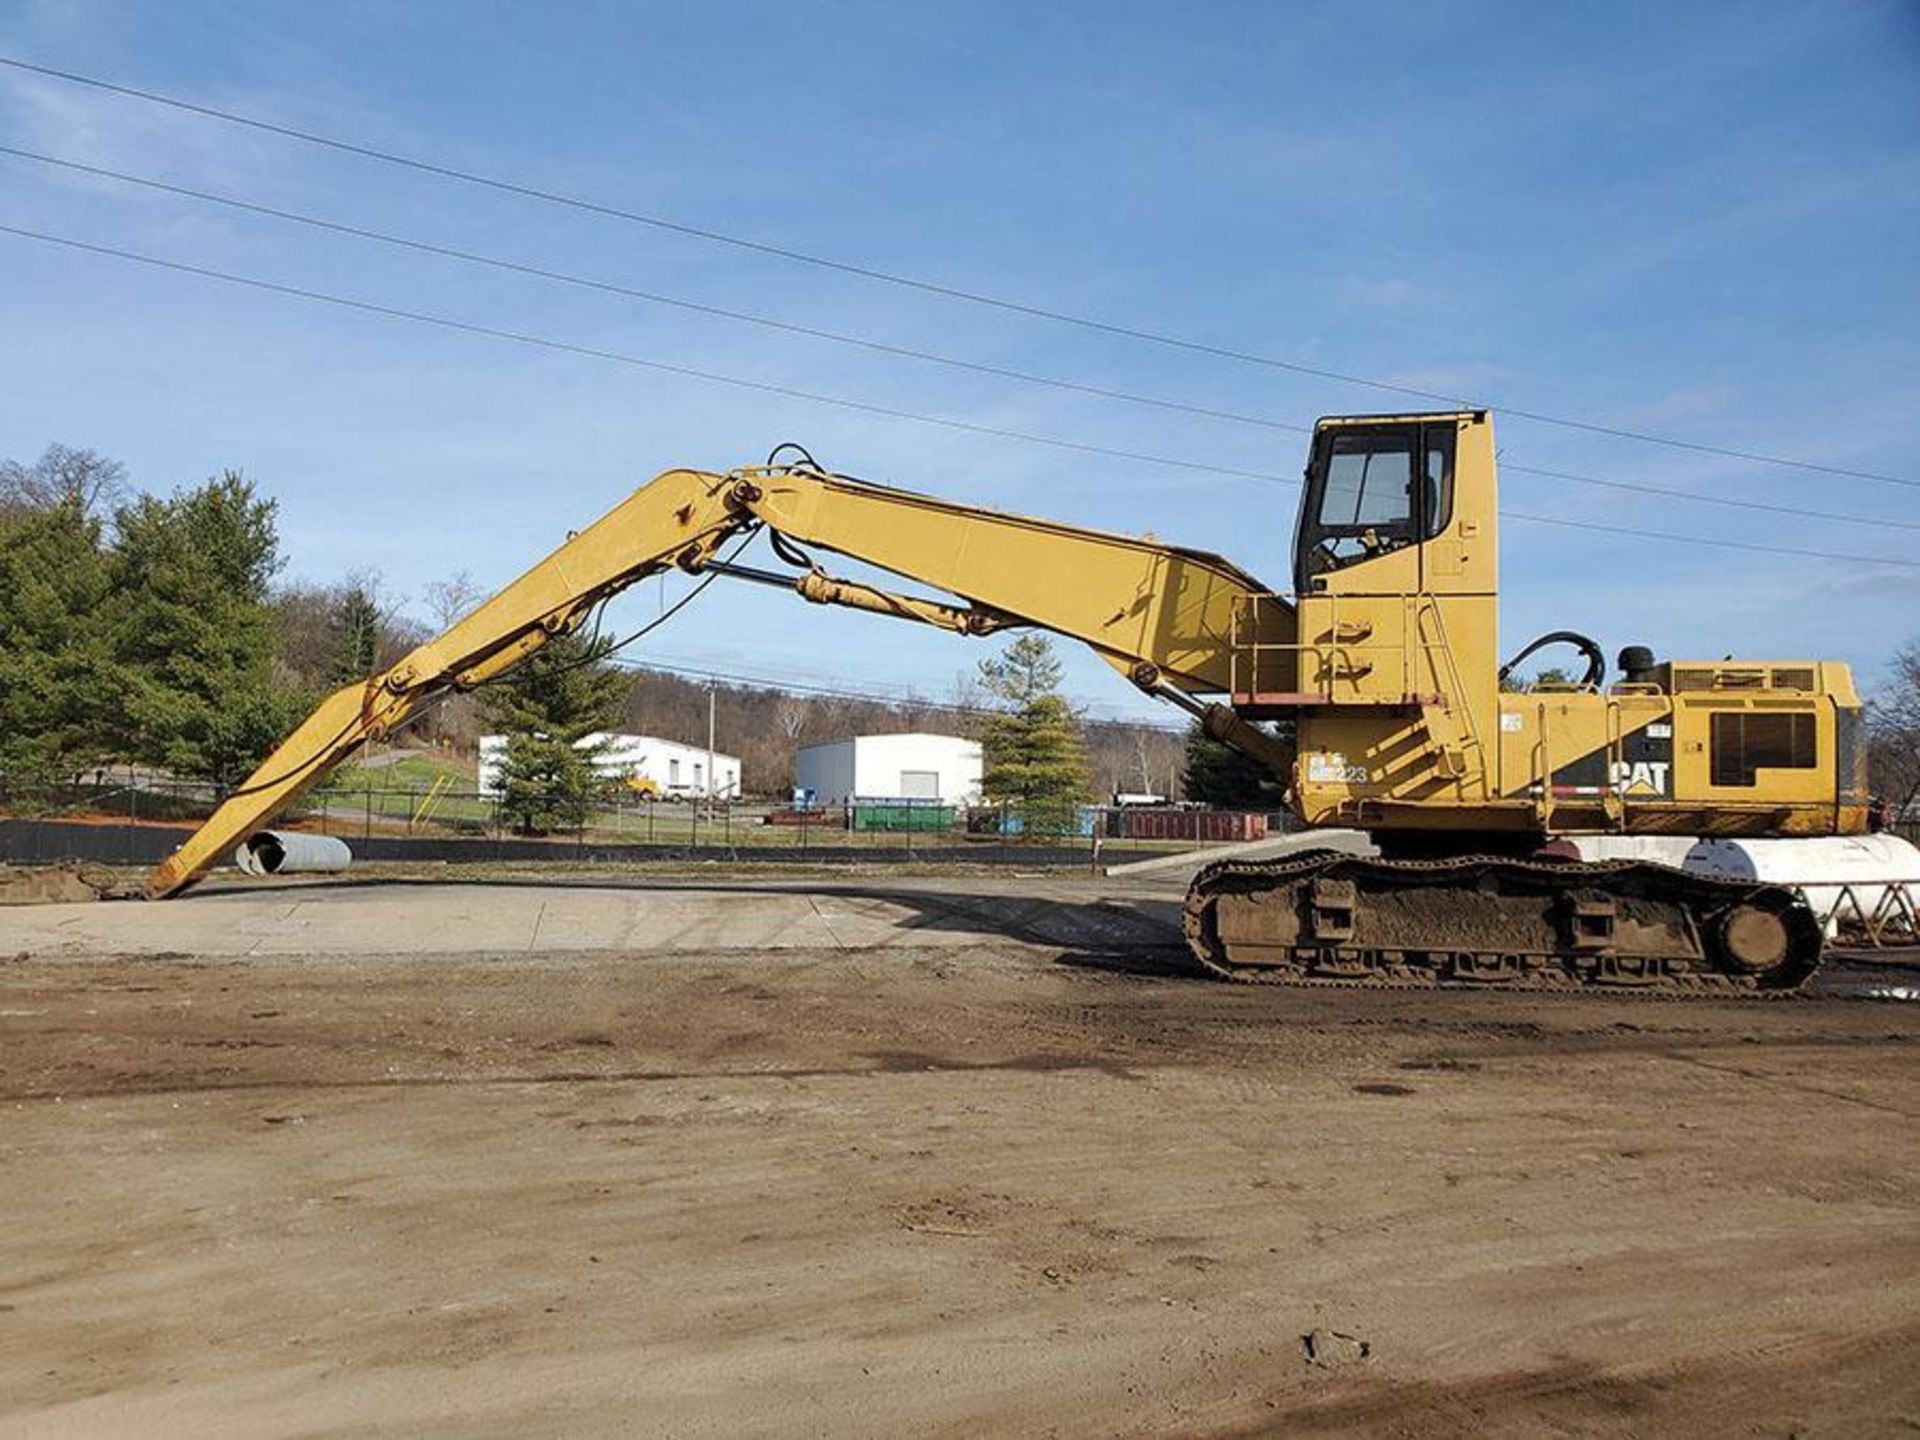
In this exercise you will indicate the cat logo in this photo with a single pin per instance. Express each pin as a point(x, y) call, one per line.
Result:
point(1641, 777)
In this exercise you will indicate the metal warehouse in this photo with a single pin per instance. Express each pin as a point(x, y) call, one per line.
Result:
point(942, 769)
point(653, 766)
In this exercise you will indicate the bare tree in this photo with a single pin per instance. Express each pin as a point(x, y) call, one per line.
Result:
point(455, 721)
point(303, 644)
point(913, 709)
point(833, 718)
point(452, 599)
point(1135, 757)
point(790, 714)
point(397, 632)
point(305, 617)
point(966, 700)
point(1894, 734)
point(62, 475)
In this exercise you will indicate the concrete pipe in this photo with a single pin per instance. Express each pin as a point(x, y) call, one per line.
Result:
point(288, 852)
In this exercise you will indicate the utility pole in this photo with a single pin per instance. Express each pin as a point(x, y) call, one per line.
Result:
point(710, 690)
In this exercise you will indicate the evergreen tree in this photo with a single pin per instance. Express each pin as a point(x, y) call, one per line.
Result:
point(546, 706)
point(1035, 758)
point(1218, 774)
point(60, 687)
point(355, 631)
point(188, 610)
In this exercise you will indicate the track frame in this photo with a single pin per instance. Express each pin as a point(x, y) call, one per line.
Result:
point(1495, 922)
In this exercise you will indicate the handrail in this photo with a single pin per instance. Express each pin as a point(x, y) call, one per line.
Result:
point(1456, 691)
point(1245, 659)
point(1616, 740)
point(431, 800)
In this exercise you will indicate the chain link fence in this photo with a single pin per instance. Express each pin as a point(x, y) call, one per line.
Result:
point(136, 796)
point(443, 812)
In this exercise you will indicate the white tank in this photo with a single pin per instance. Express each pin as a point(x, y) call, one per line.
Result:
point(1823, 868)
point(1661, 849)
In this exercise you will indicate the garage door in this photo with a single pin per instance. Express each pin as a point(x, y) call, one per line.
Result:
point(919, 784)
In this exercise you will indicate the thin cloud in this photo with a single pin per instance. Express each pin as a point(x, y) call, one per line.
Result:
point(1689, 403)
point(1396, 293)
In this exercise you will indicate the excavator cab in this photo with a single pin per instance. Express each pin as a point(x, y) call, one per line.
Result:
point(1372, 487)
point(1394, 699)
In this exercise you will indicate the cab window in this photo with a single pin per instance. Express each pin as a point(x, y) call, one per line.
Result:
point(1366, 487)
point(1368, 481)
point(1437, 446)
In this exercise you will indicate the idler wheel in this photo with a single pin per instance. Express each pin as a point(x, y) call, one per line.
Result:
point(1755, 938)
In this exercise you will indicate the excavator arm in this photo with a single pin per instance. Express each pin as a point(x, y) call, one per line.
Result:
point(1162, 615)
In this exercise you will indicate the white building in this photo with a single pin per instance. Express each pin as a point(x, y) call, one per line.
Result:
point(673, 770)
point(941, 768)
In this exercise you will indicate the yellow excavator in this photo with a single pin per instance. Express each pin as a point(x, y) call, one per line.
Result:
point(1382, 659)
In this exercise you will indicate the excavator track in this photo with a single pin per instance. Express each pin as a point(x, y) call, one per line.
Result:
point(1325, 918)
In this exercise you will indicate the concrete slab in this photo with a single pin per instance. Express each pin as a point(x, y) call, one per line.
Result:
point(1184, 866)
point(404, 918)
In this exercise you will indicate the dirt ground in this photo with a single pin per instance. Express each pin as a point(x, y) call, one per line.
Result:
point(950, 1183)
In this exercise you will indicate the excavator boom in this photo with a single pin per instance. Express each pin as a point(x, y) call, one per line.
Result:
point(1160, 614)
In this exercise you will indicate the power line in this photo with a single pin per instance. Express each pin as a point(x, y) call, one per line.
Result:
point(1728, 501)
point(835, 692)
point(1641, 534)
point(844, 402)
point(881, 347)
point(951, 292)
point(665, 367)
point(655, 297)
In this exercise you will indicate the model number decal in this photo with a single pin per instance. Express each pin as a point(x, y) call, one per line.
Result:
point(1334, 770)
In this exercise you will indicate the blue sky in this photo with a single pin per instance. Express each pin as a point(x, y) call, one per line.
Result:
point(1699, 220)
